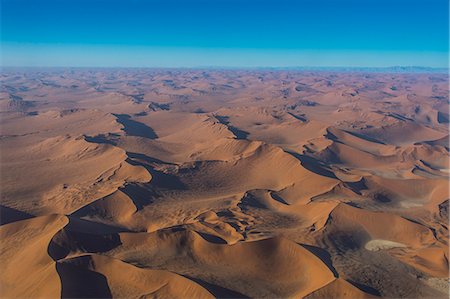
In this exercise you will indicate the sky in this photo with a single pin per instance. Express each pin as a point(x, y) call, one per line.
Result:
point(228, 33)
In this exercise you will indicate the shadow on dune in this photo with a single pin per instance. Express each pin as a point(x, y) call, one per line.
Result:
point(109, 138)
point(365, 288)
point(323, 255)
point(249, 200)
point(81, 235)
point(145, 158)
point(217, 291)
point(299, 117)
point(134, 128)
point(140, 196)
point(443, 209)
point(81, 283)
point(240, 134)
point(8, 215)
point(278, 198)
point(347, 241)
point(443, 118)
point(357, 186)
point(211, 238)
point(326, 258)
point(365, 137)
point(313, 165)
point(159, 179)
point(68, 241)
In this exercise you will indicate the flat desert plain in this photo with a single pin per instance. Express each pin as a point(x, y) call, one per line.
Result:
point(142, 183)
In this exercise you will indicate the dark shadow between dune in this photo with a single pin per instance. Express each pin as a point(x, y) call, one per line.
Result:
point(135, 128)
point(140, 195)
point(443, 118)
point(109, 138)
point(399, 117)
point(313, 165)
point(444, 208)
point(298, 117)
point(159, 179)
point(143, 157)
point(365, 137)
point(212, 239)
point(68, 240)
point(8, 215)
point(365, 288)
point(278, 198)
point(217, 291)
point(56, 251)
point(357, 186)
point(323, 255)
point(345, 241)
point(249, 200)
point(240, 134)
point(77, 282)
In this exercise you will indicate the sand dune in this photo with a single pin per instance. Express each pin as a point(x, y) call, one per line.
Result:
point(223, 183)
point(279, 268)
point(339, 288)
point(122, 280)
point(401, 230)
point(63, 173)
point(27, 269)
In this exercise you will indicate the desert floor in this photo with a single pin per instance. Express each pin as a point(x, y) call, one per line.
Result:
point(223, 183)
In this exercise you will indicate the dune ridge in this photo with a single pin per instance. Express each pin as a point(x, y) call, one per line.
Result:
point(150, 183)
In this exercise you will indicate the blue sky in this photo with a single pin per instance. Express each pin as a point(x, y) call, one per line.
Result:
point(233, 33)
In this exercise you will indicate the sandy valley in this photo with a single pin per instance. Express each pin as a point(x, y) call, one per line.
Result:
point(187, 183)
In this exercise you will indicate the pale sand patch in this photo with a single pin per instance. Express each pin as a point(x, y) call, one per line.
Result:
point(377, 244)
point(410, 204)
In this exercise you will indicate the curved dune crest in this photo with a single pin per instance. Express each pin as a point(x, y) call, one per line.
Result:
point(402, 133)
point(27, 269)
point(116, 208)
point(122, 280)
point(266, 167)
point(339, 288)
point(271, 267)
point(57, 122)
point(64, 174)
point(431, 260)
point(410, 192)
point(380, 225)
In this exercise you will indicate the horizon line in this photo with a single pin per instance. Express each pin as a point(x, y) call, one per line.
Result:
point(395, 68)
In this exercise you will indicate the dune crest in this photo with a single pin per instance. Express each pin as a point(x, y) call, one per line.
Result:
point(27, 268)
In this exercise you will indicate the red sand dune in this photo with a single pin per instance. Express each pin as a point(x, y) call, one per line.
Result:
point(229, 184)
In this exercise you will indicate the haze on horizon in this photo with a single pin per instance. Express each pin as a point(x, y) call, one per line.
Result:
point(230, 33)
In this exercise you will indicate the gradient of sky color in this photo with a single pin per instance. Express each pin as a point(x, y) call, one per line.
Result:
point(232, 33)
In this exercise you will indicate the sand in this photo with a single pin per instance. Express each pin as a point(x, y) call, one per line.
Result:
point(141, 183)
